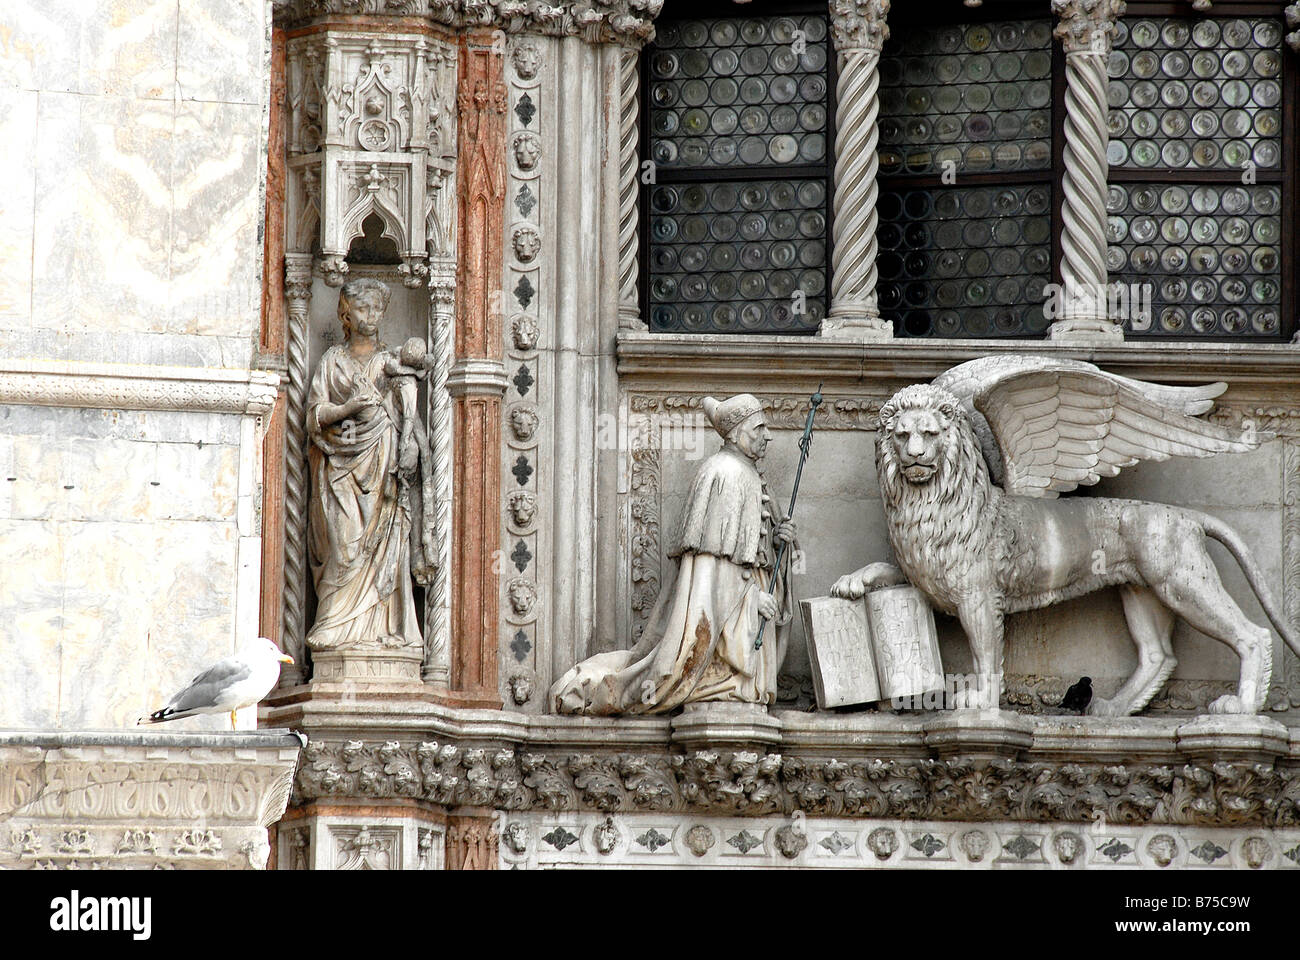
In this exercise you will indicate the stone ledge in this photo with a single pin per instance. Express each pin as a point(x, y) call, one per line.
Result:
point(976, 765)
point(136, 386)
point(768, 363)
point(131, 799)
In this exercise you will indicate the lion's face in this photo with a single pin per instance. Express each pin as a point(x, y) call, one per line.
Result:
point(917, 437)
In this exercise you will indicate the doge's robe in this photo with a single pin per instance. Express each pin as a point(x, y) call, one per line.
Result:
point(699, 641)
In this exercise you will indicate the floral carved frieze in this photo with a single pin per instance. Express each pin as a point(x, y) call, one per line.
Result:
point(753, 784)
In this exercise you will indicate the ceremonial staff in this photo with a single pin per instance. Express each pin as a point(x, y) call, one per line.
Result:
point(805, 445)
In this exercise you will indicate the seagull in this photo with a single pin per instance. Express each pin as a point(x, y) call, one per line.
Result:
point(1078, 696)
point(237, 681)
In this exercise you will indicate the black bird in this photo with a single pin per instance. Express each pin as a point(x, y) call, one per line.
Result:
point(1078, 696)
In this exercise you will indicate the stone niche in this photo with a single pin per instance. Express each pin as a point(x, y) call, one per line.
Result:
point(110, 800)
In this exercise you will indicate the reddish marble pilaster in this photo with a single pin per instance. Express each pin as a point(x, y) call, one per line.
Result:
point(472, 843)
point(477, 380)
point(272, 349)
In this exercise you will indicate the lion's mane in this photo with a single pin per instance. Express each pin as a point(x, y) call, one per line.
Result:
point(939, 528)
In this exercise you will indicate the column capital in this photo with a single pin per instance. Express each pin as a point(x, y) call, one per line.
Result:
point(859, 24)
point(297, 276)
point(1087, 26)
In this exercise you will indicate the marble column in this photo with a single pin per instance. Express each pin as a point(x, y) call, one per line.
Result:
point(477, 381)
point(437, 623)
point(858, 31)
point(297, 483)
point(1085, 30)
point(629, 188)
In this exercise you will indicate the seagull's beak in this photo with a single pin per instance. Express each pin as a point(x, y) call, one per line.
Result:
point(285, 658)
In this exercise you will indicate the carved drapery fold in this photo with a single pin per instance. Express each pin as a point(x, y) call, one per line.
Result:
point(1085, 30)
point(859, 31)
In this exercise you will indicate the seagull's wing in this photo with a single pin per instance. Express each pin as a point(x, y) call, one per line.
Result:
point(1059, 428)
point(206, 691)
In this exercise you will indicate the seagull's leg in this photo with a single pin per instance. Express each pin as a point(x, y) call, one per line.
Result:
point(232, 719)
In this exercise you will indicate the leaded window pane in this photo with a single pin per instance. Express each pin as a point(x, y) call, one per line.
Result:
point(968, 263)
point(734, 93)
point(732, 256)
point(1196, 94)
point(1197, 260)
point(965, 164)
point(976, 95)
point(738, 129)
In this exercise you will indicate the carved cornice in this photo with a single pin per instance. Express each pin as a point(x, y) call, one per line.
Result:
point(77, 800)
point(859, 24)
point(756, 784)
point(1087, 26)
point(123, 386)
point(771, 363)
point(629, 22)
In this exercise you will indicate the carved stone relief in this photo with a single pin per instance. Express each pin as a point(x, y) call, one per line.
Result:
point(523, 283)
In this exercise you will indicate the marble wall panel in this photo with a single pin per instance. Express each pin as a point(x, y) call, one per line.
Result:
point(128, 48)
point(103, 213)
point(42, 45)
point(125, 650)
point(18, 174)
point(230, 33)
point(120, 480)
point(128, 347)
point(215, 264)
point(31, 627)
point(92, 423)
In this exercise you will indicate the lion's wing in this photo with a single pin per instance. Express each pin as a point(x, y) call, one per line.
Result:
point(1058, 429)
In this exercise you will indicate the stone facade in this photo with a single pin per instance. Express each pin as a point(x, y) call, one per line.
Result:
point(189, 188)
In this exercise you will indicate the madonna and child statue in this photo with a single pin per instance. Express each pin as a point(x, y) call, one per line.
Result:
point(370, 520)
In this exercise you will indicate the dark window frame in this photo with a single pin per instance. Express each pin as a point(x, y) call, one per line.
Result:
point(728, 9)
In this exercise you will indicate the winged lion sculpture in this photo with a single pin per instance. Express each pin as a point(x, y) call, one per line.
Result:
point(970, 467)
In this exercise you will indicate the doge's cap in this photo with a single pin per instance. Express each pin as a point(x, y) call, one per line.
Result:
point(726, 415)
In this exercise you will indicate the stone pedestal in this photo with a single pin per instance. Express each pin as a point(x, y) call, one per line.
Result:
point(373, 665)
point(1233, 739)
point(708, 725)
point(979, 734)
point(125, 800)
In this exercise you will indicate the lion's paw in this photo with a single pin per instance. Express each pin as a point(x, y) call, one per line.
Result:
point(1229, 703)
point(849, 587)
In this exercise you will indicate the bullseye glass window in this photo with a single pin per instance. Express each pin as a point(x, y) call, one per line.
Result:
point(966, 174)
point(972, 263)
point(1198, 176)
point(738, 132)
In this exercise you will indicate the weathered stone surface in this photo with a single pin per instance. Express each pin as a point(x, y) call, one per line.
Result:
point(103, 800)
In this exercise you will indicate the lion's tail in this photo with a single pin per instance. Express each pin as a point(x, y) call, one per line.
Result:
point(1218, 530)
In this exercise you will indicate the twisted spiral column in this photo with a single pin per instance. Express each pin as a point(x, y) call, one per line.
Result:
point(297, 483)
point(629, 167)
point(1085, 31)
point(437, 626)
point(858, 31)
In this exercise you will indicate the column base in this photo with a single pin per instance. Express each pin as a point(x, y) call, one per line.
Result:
point(1086, 328)
point(855, 328)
